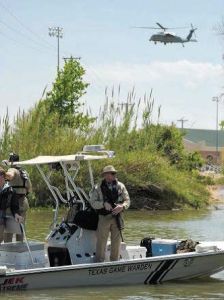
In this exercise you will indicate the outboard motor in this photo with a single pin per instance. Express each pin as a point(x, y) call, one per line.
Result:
point(147, 243)
point(58, 253)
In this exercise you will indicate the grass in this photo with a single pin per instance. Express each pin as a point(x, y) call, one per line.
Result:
point(149, 156)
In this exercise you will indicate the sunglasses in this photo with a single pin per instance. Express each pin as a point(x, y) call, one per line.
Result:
point(111, 173)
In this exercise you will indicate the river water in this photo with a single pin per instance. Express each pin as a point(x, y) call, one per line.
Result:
point(198, 225)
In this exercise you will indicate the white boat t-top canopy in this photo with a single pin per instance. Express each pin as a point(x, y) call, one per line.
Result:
point(41, 160)
point(98, 150)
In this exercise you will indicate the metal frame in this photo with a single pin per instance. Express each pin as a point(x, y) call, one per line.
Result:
point(71, 188)
point(69, 167)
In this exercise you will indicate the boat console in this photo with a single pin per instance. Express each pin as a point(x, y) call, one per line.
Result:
point(74, 245)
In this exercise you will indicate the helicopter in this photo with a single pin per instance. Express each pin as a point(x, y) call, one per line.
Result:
point(166, 37)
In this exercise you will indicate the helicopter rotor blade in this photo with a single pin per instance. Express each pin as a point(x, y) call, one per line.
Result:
point(145, 27)
point(184, 27)
point(162, 27)
point(165, 28)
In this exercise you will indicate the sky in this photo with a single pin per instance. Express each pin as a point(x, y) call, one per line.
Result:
point(183, 79)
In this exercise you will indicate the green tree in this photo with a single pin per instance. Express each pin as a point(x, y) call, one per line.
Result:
point(192, 161)
point(64, 98)
point(221, 124)
point(169, 142)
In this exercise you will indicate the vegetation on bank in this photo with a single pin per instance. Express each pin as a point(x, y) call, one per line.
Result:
point(150, 156)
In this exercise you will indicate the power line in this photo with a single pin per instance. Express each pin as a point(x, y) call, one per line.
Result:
point(104, 84)
point(98, 81)
point(19, 43)
point(91, 70)
point(90, 73)
point(43, 41)
point(23, 35)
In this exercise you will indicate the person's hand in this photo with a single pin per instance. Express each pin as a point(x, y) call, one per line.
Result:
point(117, 209)
point(18, 218)
point(107, 206)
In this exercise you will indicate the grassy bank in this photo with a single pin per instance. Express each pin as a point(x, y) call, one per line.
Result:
point(154, 184)
point(150, 156)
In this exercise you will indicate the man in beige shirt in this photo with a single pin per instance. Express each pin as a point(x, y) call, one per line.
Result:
point(110, 198)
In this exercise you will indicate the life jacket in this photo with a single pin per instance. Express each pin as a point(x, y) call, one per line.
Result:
point(110, 195)
point(21, 182)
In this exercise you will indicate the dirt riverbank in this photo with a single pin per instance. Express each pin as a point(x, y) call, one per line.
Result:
point(153, 197)
point(217, 193)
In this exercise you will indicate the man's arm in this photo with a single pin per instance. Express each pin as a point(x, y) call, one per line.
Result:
point(14, 204)
point(95, 200)
point(28, 186)
point(126, 197)
point(15, 208)
point(126, 201)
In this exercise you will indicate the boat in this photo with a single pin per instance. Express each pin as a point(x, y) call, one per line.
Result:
point(66, 258)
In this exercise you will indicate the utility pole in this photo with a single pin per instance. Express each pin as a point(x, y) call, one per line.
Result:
point(58, 33)
point(217, 99)
point(182, 120)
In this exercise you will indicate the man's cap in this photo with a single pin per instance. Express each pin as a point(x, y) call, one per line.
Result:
point(13, 157)
point(109, 169)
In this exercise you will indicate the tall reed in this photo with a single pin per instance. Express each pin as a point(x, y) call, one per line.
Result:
point(147, 151)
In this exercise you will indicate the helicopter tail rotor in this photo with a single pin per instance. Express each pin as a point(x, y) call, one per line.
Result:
point(194, 29)
point(192, 32)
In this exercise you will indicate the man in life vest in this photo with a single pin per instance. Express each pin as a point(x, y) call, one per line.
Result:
point(8, 201)
point(19, 180)
point(110, 198)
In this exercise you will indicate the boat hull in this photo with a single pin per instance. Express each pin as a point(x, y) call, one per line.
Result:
point(140, 271)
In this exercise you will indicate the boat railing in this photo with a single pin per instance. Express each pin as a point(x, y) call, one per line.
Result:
point(71, 182)
point(84, 194)
point(58, 193)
